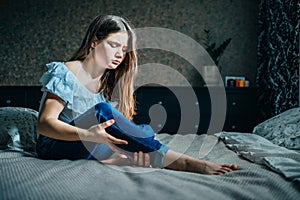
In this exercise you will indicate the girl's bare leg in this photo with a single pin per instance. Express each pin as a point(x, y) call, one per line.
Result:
point(181, 162)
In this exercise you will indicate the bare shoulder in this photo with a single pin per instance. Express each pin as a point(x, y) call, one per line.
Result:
point(73, 65)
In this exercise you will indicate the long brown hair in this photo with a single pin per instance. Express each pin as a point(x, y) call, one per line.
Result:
point(117, 84)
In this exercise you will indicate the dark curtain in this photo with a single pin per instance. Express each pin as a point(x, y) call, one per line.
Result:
point(278, 56)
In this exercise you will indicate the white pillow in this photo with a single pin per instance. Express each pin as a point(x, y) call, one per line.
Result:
point(17, 129)
point(283, 129)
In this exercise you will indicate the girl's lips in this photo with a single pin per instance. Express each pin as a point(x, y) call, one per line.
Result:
point(116, 62)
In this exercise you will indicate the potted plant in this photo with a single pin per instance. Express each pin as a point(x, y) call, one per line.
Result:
point(212, 49)
point(210, 73)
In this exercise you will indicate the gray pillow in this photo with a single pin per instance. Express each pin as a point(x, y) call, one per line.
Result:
point(17, 129)
point(283, 129)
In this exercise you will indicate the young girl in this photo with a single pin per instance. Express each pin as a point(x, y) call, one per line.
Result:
point(76, 119)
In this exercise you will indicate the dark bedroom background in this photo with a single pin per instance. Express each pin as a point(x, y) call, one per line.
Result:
point(264, 46)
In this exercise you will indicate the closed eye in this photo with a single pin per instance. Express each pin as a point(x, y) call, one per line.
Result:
point(113, 44)
point(116, 45)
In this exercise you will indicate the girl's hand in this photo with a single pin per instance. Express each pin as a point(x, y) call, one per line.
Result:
point(141, 159)
point(118, 159)
point(98, 134)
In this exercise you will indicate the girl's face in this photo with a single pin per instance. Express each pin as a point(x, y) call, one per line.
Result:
point(110, 52)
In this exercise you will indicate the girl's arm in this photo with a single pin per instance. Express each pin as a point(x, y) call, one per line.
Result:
point(49, 125)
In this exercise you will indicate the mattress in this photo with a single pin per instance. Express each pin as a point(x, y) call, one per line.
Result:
point(23, 176)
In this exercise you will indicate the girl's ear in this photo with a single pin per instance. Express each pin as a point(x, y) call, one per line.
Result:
point(94, 44)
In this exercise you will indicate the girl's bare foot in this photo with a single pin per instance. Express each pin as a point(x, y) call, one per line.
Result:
point(217, 169)
point(181, 162)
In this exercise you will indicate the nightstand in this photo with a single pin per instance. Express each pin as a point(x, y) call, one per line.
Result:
point(242, 112)
point(20, 96)
point(240, 109)
point(160, 107)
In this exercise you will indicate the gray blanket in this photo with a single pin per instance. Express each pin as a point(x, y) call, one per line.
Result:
point(26, 177)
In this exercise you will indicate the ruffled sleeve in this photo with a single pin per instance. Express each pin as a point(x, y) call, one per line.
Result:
point(59, 81)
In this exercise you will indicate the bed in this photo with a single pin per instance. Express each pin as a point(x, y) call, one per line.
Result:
point(268, 160)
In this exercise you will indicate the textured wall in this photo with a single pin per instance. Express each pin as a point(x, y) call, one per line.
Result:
point(35, 32)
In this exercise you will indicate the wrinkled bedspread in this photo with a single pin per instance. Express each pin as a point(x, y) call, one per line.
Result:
point(25, 177)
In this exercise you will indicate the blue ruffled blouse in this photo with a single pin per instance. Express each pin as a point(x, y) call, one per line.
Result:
point(60, 81)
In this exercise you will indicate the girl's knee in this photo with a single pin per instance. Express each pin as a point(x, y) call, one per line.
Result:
point(104, 108)
point(103, 105)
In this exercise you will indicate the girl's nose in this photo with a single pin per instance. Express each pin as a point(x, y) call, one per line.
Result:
point(119, 53)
